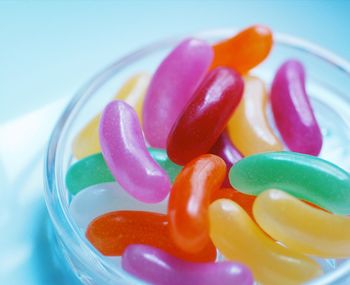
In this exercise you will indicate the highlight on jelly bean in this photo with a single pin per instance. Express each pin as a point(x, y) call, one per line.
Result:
point(124, 150)
point(172, 85)
point(245, 50)
point(158, 267)
point(238, 238)
point(133, 91)
point(205, 117)
point(292, 110)
point(302, 227)
point(93, 170)
point(113, 232)
point(305, 176)
point(189, 200)
point(249, 128)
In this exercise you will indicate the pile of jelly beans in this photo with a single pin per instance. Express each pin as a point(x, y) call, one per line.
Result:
point(226, 198)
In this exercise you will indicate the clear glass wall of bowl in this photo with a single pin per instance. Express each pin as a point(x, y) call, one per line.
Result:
point(328, 83)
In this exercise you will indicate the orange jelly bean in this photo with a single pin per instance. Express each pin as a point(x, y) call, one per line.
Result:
point(245, 50)
point(244, 200)
point(189, 201)
point(111, 233)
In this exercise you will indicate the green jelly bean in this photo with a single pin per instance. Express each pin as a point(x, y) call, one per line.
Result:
point(304, 176)
point(93, 170)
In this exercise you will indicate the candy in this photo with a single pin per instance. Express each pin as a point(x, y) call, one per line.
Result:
point(113, 232)
point(239, 238)
point(245, 50)
point(189, 200)
point(172, 86)
point(97, 200)
point(292, 110)
point(302, 227)
point(206, 115)
point(87, 142)
point(227, 151)
point(157, 267)
point(249, 128)
point(124, 150)
point(93, 170)
point(304, 176)
point(244, 200)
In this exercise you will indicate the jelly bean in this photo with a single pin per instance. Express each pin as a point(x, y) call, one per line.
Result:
point(239, 238)
point(227, 151)
point(158, 267)
point(249, 128)
point(206, 115)
point(302, 227)
point(86, 142)
point(189, 201)
point(111, 233)
point(172, 86)
point(292, 110)
point(99, 199)
point(245, 50)
point(304, 176)
point(124, 150)
point(244, 200)
point(93, 170)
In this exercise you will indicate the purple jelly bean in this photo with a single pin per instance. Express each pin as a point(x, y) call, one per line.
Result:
point(292, 110)
point(228, 152)
point(124, 150)
point(172, 85)
point(158, 267)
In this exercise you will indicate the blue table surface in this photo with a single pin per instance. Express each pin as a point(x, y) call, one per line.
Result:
point(49, 49)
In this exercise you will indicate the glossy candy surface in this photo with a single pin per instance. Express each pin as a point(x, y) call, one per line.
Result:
point(99, 199)
point(245, 50)
point(292, 110)
point(248, 127)
point(113, 232)
point(239, 238)
point(93, 170)
point(158, 267)
point(206, 115)
point(302, 227)
point(87, 142)
point(243, 200)
point(189, 200)
point(227, 151)
point(124, 150)
point(172, 85)
point(304, 176)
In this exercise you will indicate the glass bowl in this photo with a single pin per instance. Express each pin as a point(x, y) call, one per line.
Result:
point(328, 84)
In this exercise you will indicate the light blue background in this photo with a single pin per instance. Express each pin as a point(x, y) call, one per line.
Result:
point(49, 49)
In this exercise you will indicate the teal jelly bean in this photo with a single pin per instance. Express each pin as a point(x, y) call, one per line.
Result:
point(93, 170)
point(306, 177)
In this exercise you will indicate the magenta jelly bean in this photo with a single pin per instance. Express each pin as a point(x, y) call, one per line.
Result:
point(158, 267)
point(172, 86)
point(292, 110)
point(124, 150)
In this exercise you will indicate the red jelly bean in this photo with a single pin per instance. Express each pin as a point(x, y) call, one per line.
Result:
point(206, 115)
point(111, 233)
point(189, 201)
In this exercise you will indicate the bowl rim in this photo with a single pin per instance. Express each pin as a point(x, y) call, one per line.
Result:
point(59, 215)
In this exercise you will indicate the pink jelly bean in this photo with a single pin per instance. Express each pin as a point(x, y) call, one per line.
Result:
point(124, 150)
point(292, 110)
point(172, 85)
point(227, 151)
point(158, 267)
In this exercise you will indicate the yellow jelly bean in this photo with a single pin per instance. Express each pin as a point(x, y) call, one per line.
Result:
point(249, 128)
point(302, 227)
point(133, 91)
point(239, 238)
